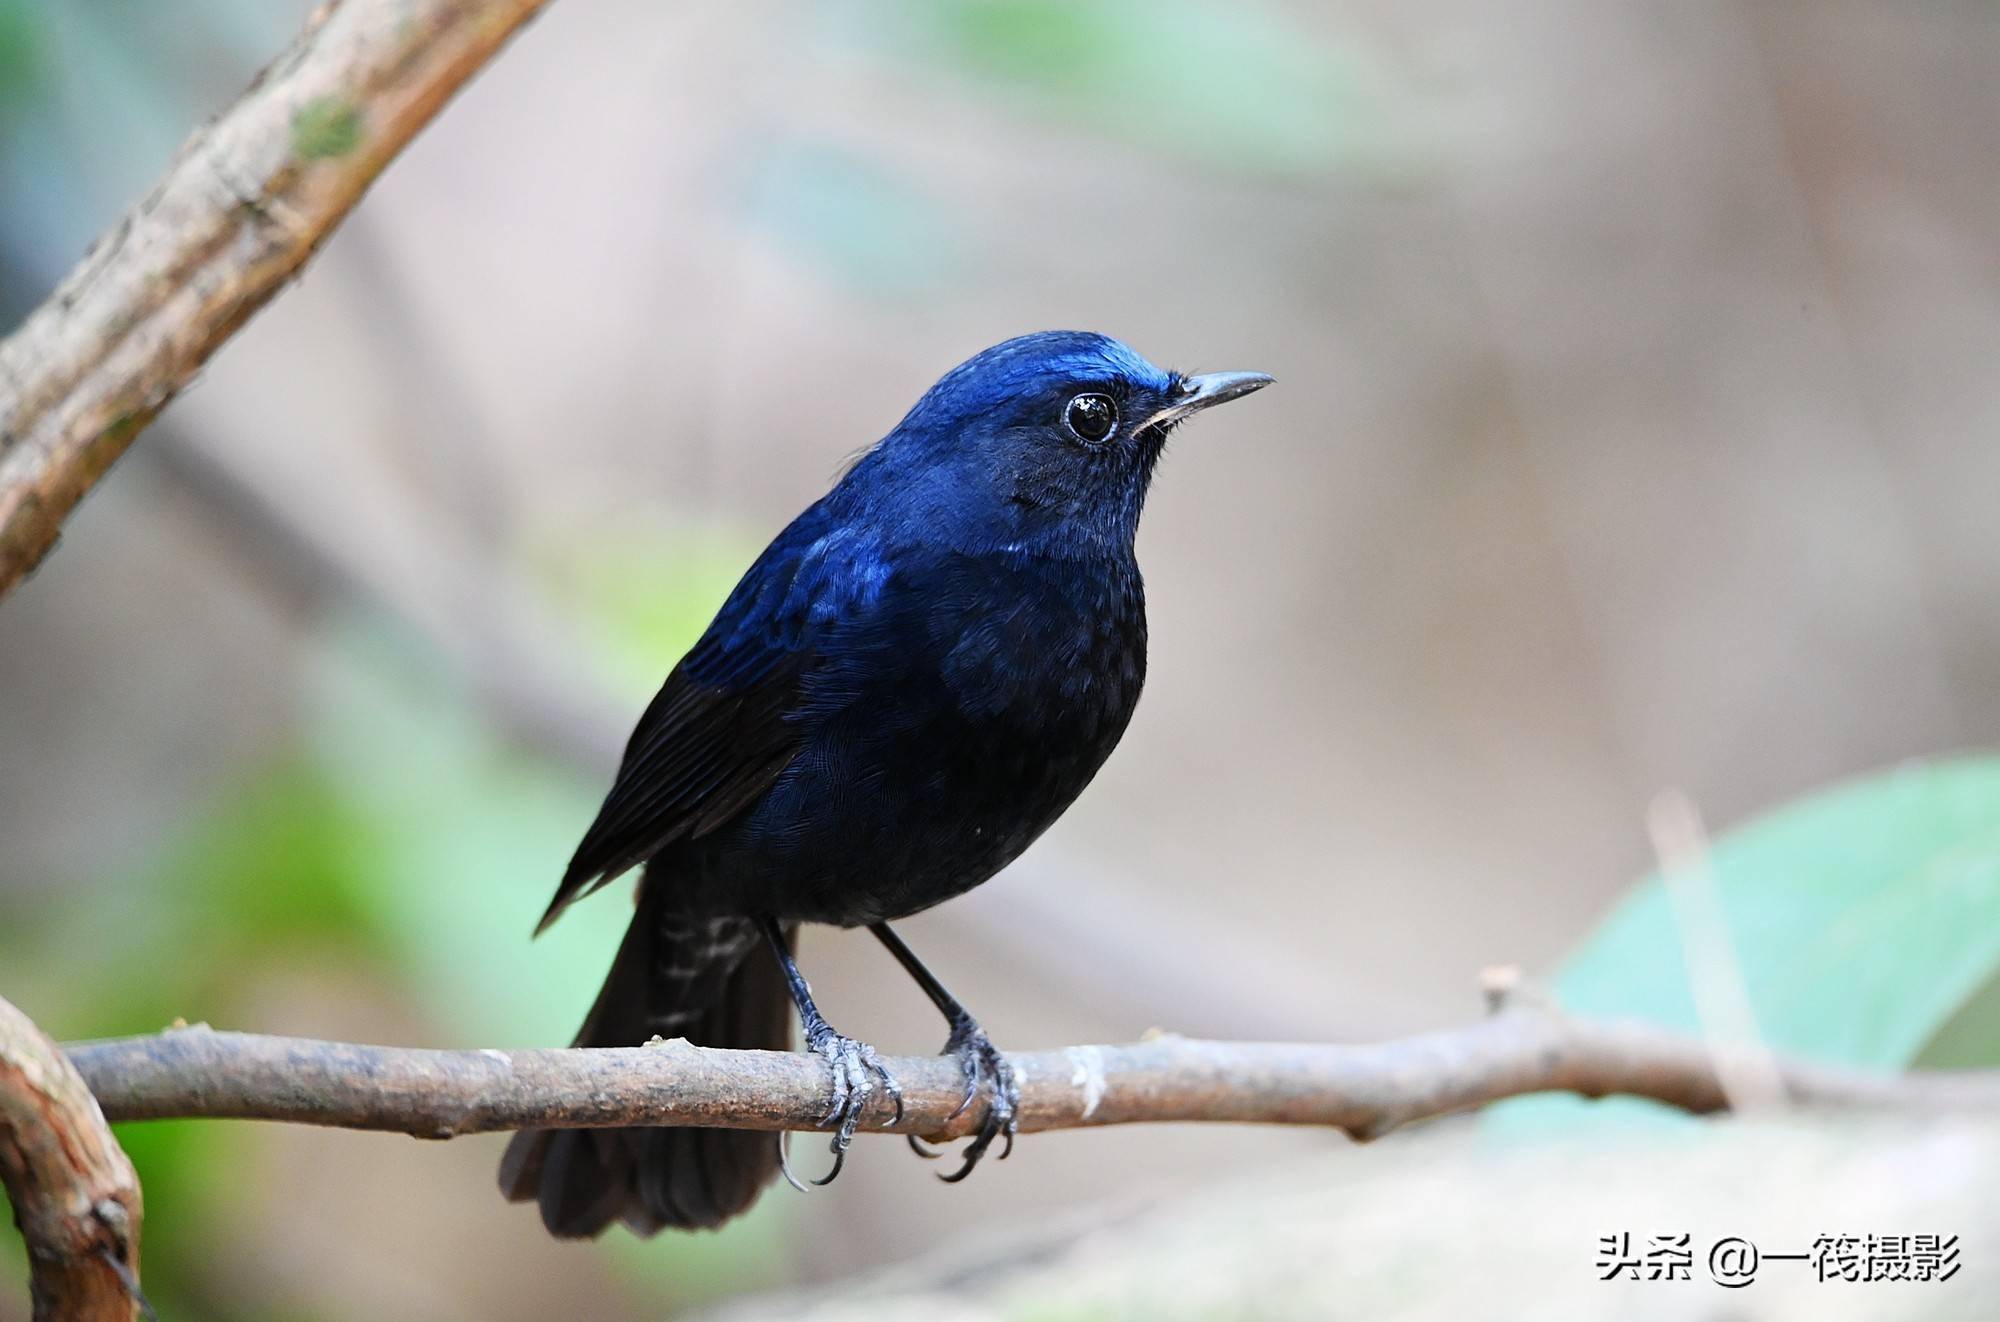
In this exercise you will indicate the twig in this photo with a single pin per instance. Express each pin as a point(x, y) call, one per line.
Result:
point(245, 203)
point(75, 1197)
point(1364, 1090)
point(1715, 974)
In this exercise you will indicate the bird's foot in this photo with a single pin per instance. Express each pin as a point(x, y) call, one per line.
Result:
point(982, 1065)
point(857, 1075)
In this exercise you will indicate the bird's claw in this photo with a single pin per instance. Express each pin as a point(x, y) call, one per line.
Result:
point(982, 1064)
point(856, 1074)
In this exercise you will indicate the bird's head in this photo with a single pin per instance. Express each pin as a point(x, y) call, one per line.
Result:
point(1047, 441)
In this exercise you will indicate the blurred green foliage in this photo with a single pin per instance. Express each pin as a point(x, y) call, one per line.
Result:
point(642, 598)
point(1203, 86)
point(1865, 920)
point(1238, 88)
point(21, 53)
point(1863, 917)
point(402, 843)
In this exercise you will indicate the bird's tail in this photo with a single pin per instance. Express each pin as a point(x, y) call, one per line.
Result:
point(707, 982)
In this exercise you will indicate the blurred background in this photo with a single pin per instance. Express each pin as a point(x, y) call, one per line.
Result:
point(1635, 430)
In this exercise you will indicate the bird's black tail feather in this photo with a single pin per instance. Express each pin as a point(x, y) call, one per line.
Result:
point(707, 982)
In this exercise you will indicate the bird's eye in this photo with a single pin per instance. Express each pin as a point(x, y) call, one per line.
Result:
point(1091, 417)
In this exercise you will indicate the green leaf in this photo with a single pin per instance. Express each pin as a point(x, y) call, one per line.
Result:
point(1970, 1039)
point(1865, 920)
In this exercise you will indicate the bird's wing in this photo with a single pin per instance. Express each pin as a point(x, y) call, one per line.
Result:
point(722, 728)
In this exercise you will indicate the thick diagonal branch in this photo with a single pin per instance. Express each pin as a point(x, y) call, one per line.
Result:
point(245, 203)
point(1364, 1090)
point(75, 1197)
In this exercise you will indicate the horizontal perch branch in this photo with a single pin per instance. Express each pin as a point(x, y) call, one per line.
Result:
point(1523, 1047)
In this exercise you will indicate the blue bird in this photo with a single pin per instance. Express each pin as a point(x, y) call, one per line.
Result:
point(912, 682)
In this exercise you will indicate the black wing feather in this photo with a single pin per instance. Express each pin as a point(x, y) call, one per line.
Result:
point(718, 732)
point(699, 756)
point(728, 721)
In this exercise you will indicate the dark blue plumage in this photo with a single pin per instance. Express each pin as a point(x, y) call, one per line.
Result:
point(909, 686)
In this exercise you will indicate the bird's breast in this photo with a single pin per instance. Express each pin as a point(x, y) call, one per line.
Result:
point(1051, 654)
point(982, 702)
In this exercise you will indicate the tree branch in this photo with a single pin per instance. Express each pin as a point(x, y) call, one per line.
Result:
point(245, 203)
point(1365, 1090)
point(75, 1197)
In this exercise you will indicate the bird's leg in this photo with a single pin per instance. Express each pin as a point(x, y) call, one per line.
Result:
point(977, 1057)
point(854, 1066)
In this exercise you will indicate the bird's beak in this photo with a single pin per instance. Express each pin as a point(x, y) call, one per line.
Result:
point(1210, 388)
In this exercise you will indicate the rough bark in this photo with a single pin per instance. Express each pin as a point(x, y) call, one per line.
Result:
point(75, 1197)
point(1363, 1090)
point(246, 201)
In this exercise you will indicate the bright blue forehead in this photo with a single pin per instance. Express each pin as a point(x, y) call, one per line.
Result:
point(1030, 365)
